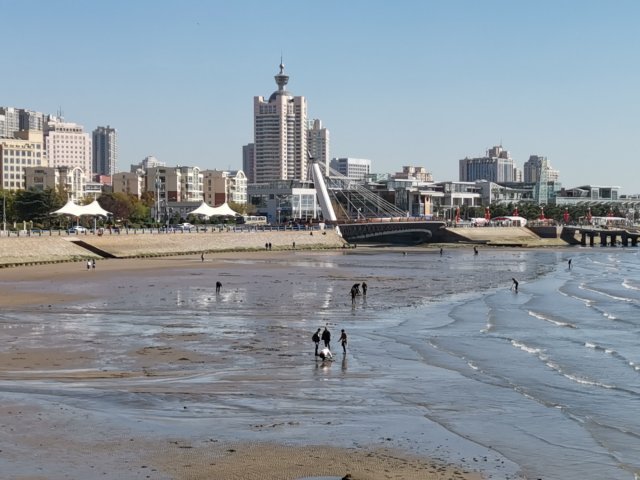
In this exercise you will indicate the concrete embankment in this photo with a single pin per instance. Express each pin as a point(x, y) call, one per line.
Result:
point(47, 249)
point(501, 236)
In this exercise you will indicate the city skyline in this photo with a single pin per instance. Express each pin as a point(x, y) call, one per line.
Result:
point(413, 83)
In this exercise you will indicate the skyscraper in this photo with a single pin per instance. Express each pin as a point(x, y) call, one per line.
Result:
point(249, 162)
point(280, 134)
point(497, 166)
point(318, 143)
point(105, 151)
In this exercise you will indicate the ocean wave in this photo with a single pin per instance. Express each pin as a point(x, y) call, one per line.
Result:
point(559, 323)
point(608, 295)
point(526, 348)
point(578, 379)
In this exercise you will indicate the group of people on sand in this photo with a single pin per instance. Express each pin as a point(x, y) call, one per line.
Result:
point(325, 337)
point(355, 290)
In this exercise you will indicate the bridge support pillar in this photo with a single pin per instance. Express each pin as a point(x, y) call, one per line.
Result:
point(592, 239)
point(634, 241)
point(583, 239)
point(625, 240)
point(614, 240)
point(603, 239)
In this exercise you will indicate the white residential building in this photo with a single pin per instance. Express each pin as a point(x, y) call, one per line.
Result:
point(318, 143)
point(67, 145)
point(353, 168)
point(280, 134)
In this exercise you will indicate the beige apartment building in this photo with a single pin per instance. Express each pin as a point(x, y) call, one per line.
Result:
point(131, 183)
point(17, 154)
point(67, 145)
point(222, 186)
point(175, 184)
point(65, 179)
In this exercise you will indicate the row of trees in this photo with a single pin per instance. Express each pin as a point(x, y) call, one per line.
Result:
point(531, 211)
point(35, 206)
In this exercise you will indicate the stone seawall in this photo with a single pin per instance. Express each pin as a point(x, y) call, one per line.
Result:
point(47, 249)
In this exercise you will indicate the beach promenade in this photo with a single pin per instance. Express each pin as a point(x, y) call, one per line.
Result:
point(26, 250)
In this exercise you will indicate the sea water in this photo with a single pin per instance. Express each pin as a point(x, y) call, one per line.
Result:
point(444, 358)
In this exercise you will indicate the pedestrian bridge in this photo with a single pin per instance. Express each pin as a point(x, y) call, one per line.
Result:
point(587, 235)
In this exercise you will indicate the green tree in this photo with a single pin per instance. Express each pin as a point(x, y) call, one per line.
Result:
point(118, 204)
point(36, 205)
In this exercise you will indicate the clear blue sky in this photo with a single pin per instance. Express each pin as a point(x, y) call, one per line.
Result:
point(399, 82)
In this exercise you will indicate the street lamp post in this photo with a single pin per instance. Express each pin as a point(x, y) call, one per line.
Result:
point(4, 213)
point(157, 198)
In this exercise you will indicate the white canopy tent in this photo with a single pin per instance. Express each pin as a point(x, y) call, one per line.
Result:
point(223, 210)
point(92, 210)
point(69, 208)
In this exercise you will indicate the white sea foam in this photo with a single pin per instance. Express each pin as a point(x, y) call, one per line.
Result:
point(626, 284)
point(525, 348)
point(540, 316)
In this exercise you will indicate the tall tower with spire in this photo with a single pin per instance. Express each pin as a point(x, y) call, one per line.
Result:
point(280, 134)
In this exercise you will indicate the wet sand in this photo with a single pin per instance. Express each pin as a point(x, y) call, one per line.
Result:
point(66, 431)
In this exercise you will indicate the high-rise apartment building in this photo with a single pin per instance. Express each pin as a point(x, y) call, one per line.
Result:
point(30, 120)
point(280, 134)
point(9, 121)
point(67, 145)
point(497, 166)
point(538, 167)
point(249, 162)
point(105, 151)
point(318, 143)
point(13, 120)
point(353, 168)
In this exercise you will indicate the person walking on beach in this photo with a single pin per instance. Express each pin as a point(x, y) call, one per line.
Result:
point(316, 339)
point(515, 285)
point(343, 341)
point(475, 250)
point(326, 338)
point(88, 264)
point(218, 286)
point(353, 296)
point(93, 264)
point(441, 251)
point(569, 263)
point(364, 289)
point(202, 256)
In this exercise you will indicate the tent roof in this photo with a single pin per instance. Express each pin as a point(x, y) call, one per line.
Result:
point(223, 210)
point(69, 208)
point(93, 209)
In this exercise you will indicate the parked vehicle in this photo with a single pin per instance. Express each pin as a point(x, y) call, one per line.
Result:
point(77, 229)
point(184, 227)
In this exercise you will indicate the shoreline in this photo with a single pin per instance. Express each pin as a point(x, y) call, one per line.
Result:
point(173, 455)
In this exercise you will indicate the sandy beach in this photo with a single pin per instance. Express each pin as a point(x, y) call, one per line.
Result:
point(63, 431)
